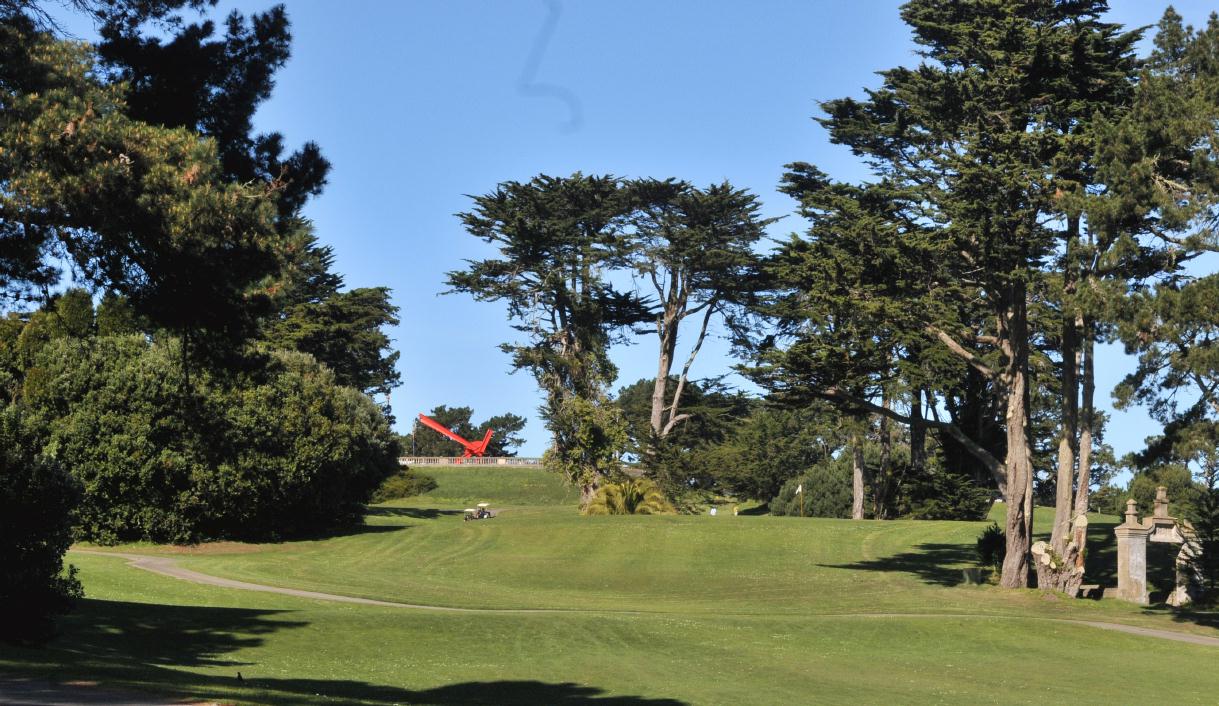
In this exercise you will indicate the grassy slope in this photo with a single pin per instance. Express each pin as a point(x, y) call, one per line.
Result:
point(745, 609)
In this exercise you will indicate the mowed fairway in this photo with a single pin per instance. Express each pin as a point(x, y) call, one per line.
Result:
point(642, 610)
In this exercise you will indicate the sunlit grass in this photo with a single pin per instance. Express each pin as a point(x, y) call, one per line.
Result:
point(650, 609)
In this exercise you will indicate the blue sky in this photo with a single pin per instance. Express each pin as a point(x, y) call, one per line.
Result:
point(419, 103)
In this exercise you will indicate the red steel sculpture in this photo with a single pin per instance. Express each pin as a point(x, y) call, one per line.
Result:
point(473, 448)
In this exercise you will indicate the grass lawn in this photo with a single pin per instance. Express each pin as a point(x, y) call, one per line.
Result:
point(644, 610)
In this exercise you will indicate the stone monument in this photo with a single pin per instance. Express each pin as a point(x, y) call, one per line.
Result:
point(1132, 538)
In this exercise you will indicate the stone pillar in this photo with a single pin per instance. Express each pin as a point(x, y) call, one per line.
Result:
point(1132, 557)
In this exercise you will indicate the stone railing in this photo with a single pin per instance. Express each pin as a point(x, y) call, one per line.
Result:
point(473, 461)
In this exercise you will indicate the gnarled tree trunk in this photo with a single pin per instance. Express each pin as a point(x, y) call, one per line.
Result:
point(1013, 325)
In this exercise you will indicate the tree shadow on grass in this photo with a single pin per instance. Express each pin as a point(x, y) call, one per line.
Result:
point(417, 513)
point(145, 647)
point(763, 509)
point(1206, 617)
point(939, 564)
point(476, 693)
point(334, 533)
point(130, 637)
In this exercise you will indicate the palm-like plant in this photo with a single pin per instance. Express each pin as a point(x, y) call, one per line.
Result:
point(631, 497)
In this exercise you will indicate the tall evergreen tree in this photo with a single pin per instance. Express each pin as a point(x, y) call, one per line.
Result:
point(343, 330)
point(212, 85)
point(141, 210)
point(557, 238)
point(695, 248)
point(968, 151)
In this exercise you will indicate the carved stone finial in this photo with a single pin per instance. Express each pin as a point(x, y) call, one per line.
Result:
point(1161, 507)
point(1132, 512)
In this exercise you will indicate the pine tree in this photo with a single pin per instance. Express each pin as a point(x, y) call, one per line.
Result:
point(943, 253)
point(557, 239)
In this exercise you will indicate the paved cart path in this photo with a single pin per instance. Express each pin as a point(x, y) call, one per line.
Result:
point(167, 566)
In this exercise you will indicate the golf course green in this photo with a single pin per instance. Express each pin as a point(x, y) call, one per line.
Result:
point(560, 608)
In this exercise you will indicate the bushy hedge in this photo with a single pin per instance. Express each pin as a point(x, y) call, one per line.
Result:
point(827, 491)
point(406, 483)
point(284, 453)
point(939, 494)
point(36, 498)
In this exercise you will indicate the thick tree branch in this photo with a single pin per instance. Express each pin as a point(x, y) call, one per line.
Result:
point(969, 357)
point(685, 371)
point(672, 423)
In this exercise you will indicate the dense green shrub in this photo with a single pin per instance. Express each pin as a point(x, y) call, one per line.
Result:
point(1205, 542)
point(1182, 491)
point(282, 454)
point(992, 547)
point(36, 498)
point(937, 494)
point(406, 483)
point(827, 491)
point(769, 448)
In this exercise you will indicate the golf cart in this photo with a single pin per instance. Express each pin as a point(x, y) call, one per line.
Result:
point(480, 513)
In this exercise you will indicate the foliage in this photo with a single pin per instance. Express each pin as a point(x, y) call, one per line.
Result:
point(423, 441)
point(684, 460)
point(287, 455)
point(36, 497)
point(937, 494)
point(826, 491)
point(342, 330)
point(507, 438)
point(312, 451)
point(557, 238)
point(992, 546)
point(713, 413)
point(1025, 176)
point(1182, 491)
point(211, 85)
point(406, 483)
point(1109, 499)
point(590, 438)
point(695, 246)
point(1205, 543)
point(770, 447)
point(140, 209)
point(638, 496)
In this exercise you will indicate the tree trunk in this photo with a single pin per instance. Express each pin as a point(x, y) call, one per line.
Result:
point(1063, 501)
point(883, 480)
point(668, 344)
point(1014, 339)
point(588, 490)
point(918, 432)
point(1060, 564)
point(858, 474)
point(1067, 440)
point(1083, 483)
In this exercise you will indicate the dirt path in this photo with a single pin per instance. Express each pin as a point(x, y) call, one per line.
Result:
point(167, 566)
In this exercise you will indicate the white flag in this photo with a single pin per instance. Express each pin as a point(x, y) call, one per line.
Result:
point(800, 488)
